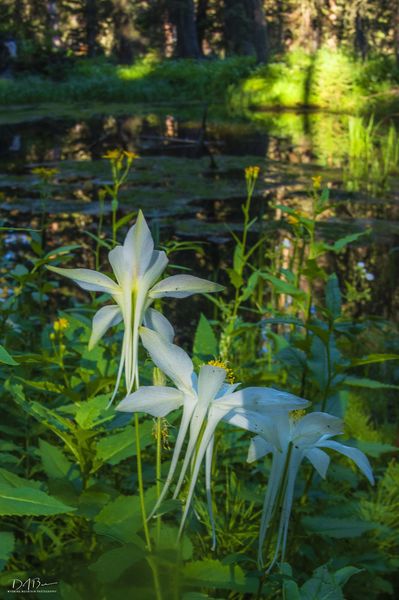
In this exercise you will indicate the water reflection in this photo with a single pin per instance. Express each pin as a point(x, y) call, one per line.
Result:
point(190, 180)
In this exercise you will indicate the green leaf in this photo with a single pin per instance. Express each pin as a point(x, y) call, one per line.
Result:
point(55, 463)
point(6, 358)
point(238, 260)
point(373, 358)
point(7, 544)
point(371, 384)
point(283, 287)
point(94, 411)
point(121, 518)
point(235, 278)
point(333, 296)
point(205, 342)
point(321, 587)
point(114, 448)
point(347, 239)
point(337, 528)
point(210, 573)
point(110, 566)
point(375, 449)
point(29, 501)
point(12, 480)
point(343, 575)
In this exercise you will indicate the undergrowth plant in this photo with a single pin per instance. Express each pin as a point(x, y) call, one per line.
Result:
point(279, 357)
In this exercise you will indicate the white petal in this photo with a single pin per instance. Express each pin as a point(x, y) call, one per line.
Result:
point(104, 318)
point(121, 267)
point(256, 423)
point(258, 398)
point(184, 424)
point(210, 380)
point(171, 359)
point(273, 486)
point(196, 424)
point(314, 425)
point(155, 320)
point(258, 448)
point(138, 246)
point(89, 280)
point(208, 487)
point(156, 400)
point(354, 454)
point(206, 439)
point(319, 459)
point(181, 286)
point(155, 268)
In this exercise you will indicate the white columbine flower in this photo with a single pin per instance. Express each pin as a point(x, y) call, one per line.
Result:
point(137, 267)
point(205, 399)
point(290, 440)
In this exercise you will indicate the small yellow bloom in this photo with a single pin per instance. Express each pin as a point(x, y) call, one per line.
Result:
point(52, 336)
point(61, 324)
point(113, 155)
point(222, 365)
point(292, 219)
point(317, 182)
point(130, 155)
point(252, 172)
point(44, 173)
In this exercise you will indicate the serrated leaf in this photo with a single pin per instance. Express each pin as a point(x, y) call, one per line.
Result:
point(205, 342)
point(29, 501)
point(114, 448)
point(55, 463)
point(13, 480)
point(93, 411)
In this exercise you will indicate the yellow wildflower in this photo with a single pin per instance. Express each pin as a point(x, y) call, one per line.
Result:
point(61, 324)
point(317, 182)
point(113, 155)
point(252, 172)
point(130, 155)
point(44, 173)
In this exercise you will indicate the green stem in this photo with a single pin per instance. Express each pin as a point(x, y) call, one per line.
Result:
point(140, 482)
point(158, 471)
point(157, 585)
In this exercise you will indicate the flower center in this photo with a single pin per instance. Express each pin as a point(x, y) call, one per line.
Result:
point(230, 377)
point(296, 415)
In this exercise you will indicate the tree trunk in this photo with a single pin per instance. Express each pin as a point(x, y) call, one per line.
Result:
point(182, 16)
point(124, 32)
point(360, 35)
point(90, 13)
point(259, 30)
point(201, 22)
point(245, 28)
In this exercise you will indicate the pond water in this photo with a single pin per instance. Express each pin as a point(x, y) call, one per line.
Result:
point(189, 179)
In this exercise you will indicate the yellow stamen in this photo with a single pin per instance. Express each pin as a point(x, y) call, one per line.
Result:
point(296, 415)
point(222, 365)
